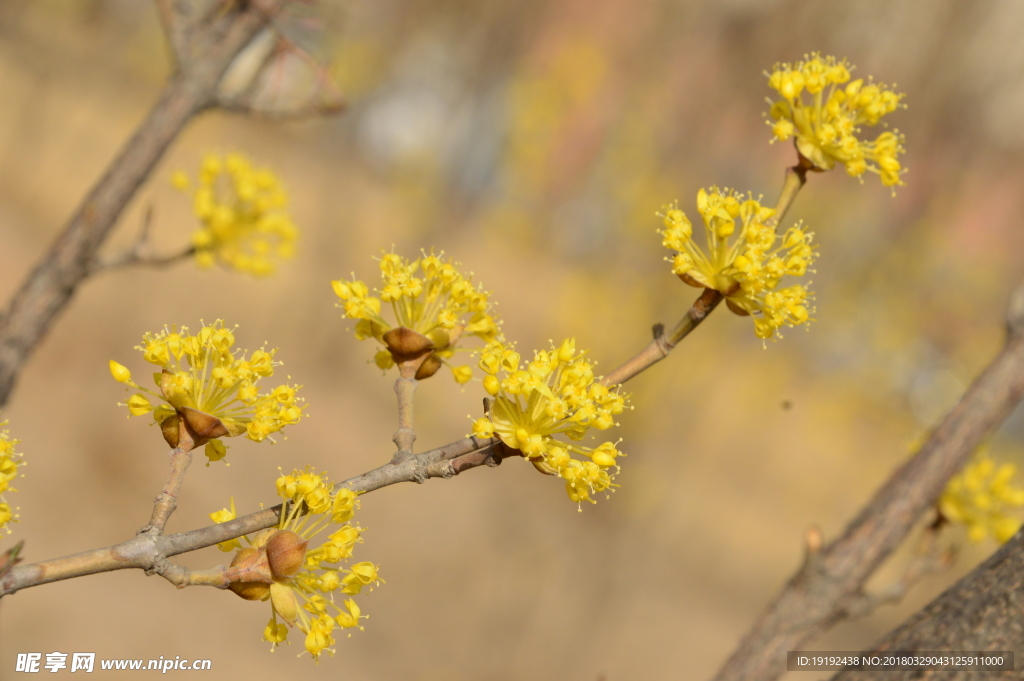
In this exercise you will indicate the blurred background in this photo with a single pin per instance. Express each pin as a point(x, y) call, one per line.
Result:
point(532, 141)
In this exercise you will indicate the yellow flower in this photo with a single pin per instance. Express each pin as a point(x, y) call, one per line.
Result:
point(10, 462)
point(241, 209)
point(209, 390)
point(433, 306)
point(826, 122)
point(555, 394)
point(745, 262)
point(299, 581)
point(981, 496)
point(222, 516)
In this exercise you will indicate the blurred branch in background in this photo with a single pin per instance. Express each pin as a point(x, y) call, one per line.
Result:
point(206, 39)
point(139, 252)
point(981, 612)
point(821, 593)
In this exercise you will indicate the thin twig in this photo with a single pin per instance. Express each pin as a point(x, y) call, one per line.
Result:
point(817, 597)
point(295, 113)
point(134, 259)
point(149, 552)
point(442, 462)
point(138, 253)
point(405, 436)
point(796, 178)
point(659, 348)
point(928, 560)
point(167, 501)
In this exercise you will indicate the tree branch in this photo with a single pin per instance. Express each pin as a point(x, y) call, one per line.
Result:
point(659, 348)
point(167, 501)
point(984, 611)
point(442, 462)
point(150, 551)
point(191, 89)
point(822, 591)
point(139, 252)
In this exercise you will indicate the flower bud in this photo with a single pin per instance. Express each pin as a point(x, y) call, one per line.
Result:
point(120, 372)
point(284, 601)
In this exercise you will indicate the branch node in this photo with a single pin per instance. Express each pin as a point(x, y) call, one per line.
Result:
point(447, 470)
point(814, 539)
point(159, 567)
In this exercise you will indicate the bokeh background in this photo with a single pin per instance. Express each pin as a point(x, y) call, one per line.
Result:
point(533, 141)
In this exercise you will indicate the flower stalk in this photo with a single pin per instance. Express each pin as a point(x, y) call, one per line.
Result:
point(405, 387)
point(167, 501)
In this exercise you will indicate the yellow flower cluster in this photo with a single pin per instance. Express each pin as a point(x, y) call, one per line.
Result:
point(745, 262)
point(10, 461)
point(826, 123)
point(279, 565)
point(554, 394)
point(244, 224)
point(433, 306)
point(210, 390)
point(981, 496)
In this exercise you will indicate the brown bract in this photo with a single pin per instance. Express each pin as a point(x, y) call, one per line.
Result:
point(197, 427)
point(286, 554)
point(687, 279)
point(406, 345)
point(416, 352)
point(251, 572)
point(428, 368)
